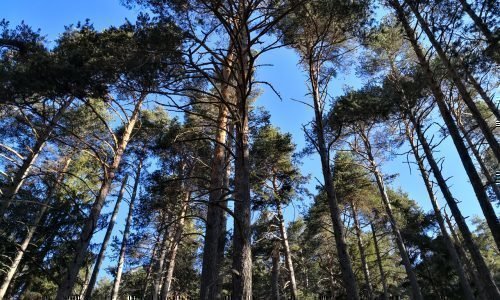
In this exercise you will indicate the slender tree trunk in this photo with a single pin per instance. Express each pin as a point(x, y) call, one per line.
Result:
point(105, 241)
point(158, 272)
point(242, 245)
point(476, 256)
point(179, 231)
point(211, 266)
point(487, 99)
point(126, 233)
point(12, 269)
point(415, 288)
point(275, 275)
point(364, 264)
point(489, 178)
point(379, 262)
point(288, 253)
point(467, 162)
point(69, 279)
point(464, 283)
point(11, 191)
point(462, 89)
point(149, 270)
point(491, 39)
point(348, 276)
point(460, 250)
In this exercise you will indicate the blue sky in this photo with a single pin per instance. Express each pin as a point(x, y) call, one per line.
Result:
point(285, 75)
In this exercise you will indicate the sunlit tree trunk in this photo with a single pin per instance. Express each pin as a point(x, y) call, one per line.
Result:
point(105, 241)
point(126, 233)
point(12, 268)
point(464, 283)
point(415, 288)
point(215, 213)
point(288, 253)
point(364, 264)
point(467, 162)
point(275, 275)
point(82, 245)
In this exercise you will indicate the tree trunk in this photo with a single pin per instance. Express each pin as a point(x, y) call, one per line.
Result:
point(288, 253)
point(462, 89)
point(215, 214)
point(464, 283)
point(364, 264)
point(476, 256)
point(12, 269)
point(379, 262)
point(69, 279)
point(126, 233)
point(105, 241)
point(10, 194)
point(348, 276)
point(467, 162)
point(275, 275)
point(242, 239)
point(491, 39)
point(149, 270)
point(158, 271)
point(179, 231)
point(461, 252)
point(415, 288)
point(488, 100)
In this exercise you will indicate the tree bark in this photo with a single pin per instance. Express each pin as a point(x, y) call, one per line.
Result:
point(348, 276)
point(126, 233)
point(172, 253)
point(69, 279)
point(105, 241)
point(364, 264)
point(464, 283)
point(215, 213)
point(415, 288)
point(467, 162)
point(462, 89)
point(288, 253)
point(379, 262)
point(12, 269)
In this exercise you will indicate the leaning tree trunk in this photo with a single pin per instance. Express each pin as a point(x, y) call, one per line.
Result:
point(467, 162)
point(490, 287)
point(172, 254)
point(22, 173)
point(490, 37)
point(415, 288)
point(288, 253)
point(81, 248)
point(464, 283)
point(487, 99)
point(364, 264)
point(379, 262)
point(275, 273)
point(348, 276)
point(105, 241)
point(215, 213)
point(12, 268)
point(462, 89)
point(126, 233)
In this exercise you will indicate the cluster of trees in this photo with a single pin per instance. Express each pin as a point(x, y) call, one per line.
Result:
point(159, 116)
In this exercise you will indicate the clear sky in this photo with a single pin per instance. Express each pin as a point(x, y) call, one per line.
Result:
point(52, 15)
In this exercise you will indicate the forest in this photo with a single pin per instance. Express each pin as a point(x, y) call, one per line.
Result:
point(139, 161)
